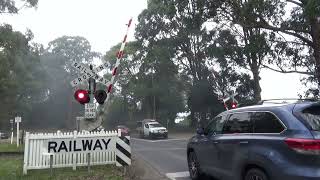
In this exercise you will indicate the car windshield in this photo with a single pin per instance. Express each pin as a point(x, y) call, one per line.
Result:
point(155, 125)
point(312, 116)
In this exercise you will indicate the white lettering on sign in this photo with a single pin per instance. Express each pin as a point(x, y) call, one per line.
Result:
point(90, 111)
point(83, 78)
point(84, 69)
point(78, 145)
point(102, 67)
point(81, 68)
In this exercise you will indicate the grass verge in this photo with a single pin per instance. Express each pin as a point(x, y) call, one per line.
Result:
point(11, 169)
point(6, 147)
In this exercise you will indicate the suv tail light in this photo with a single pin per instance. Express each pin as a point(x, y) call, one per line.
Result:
point(305, 146)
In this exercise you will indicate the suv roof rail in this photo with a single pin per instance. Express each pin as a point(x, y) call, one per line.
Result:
point(285, 100)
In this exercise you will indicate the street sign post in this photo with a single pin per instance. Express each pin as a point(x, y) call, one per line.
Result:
point(90, 111)
point(11, 139)
point(78, 119)
point(17, 120)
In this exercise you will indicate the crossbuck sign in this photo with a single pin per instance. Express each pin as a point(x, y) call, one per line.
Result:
point(87, 73)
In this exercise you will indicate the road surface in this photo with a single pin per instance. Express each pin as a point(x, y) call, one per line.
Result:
point(167, 156)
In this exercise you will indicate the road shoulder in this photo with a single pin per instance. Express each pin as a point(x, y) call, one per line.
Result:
point(142, 170)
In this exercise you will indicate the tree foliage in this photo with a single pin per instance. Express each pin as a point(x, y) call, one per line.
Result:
point(182, 27)
point(11, 7)
point(21, 74)
point(61, 109)
point(149, 79)
point(187, 56)
point(295, 26)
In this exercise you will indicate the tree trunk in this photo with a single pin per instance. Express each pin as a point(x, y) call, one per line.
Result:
point(315, 33)
point(256, 81)
point(316, 55)
point(203, 119)
point(252, 60)
point(193, 119)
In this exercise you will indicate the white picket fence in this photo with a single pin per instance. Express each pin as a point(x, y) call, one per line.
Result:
point(36, 158)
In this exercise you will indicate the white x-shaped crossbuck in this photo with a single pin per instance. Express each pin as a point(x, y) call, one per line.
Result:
point(230, 97)
point(87, 73)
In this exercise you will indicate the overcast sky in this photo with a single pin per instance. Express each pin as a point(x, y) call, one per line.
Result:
point(102, 22)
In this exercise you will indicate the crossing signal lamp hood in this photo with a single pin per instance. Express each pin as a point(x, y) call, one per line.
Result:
point(100, 96)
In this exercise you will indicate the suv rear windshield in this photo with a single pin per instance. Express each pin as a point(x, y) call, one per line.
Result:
point(312, 116)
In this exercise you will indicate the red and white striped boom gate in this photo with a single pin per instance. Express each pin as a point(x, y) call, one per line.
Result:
point(119, 57)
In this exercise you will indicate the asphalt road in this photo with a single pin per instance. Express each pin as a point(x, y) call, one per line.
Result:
point(168, 156)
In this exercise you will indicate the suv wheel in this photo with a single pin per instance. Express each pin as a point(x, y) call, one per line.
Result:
point(194, 166)
point(256, 174)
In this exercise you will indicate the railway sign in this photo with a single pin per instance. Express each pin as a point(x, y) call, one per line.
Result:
point(17, 119)
point(86, 73)
point(82, 145)
point(230, 97)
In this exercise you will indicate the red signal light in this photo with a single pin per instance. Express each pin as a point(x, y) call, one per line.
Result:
point(82, 96)
point(234, 105)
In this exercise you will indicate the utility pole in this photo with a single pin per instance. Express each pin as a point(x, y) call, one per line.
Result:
point(154, 96)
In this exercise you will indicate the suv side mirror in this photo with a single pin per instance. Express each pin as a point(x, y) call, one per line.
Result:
point(200, 131)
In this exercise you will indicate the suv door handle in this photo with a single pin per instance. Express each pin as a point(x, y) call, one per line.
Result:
point(215, 142)
point(243, 142)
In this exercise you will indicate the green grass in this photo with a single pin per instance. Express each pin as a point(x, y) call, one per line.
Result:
point(6, 147)
point(11, 169)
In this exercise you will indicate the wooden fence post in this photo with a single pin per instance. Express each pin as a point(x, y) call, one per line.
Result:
point(74, 155)
point(26, 153)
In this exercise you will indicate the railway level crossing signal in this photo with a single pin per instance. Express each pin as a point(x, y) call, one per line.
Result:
point(90, 75)
point(83, 96)
point(234, 103)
